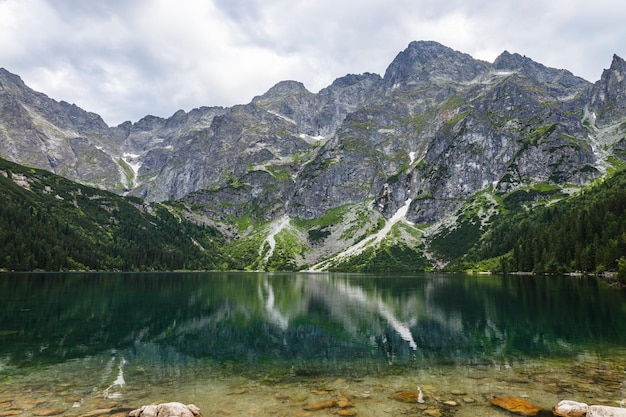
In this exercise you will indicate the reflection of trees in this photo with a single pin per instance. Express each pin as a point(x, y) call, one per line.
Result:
point(379, 320)
point(461, 317)
point(304, 317)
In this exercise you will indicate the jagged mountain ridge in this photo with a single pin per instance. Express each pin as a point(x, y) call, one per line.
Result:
point(436, 129)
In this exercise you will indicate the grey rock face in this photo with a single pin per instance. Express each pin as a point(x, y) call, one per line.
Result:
point(446, 127)
point(60, 137)
point(257, 193)
point(608, 97)
point(427, 63)
point(437, 128)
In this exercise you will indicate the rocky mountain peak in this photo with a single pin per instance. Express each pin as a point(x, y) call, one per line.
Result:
point(426, 62)
point(283, 90)
point(353, 79)
point(540, 73)
point(61, 114)
point(9, 80)
point(608, 96)
point(618, 64)
point(512, 61)
point(614, 78)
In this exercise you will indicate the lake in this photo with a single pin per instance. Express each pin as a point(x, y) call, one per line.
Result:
point(271, 344)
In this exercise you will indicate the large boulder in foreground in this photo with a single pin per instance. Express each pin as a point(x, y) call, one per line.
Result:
point(567, 408)
point(172, 409)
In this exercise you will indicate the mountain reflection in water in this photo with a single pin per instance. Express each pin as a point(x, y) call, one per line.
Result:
point(302, 321)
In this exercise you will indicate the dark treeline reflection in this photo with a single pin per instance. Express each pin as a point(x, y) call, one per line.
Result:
point(243, 318)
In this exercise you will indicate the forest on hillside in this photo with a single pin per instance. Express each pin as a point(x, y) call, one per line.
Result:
point(584, 233)
point(53, 224)
point(50, 223)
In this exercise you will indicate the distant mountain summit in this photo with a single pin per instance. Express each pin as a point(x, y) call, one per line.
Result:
point(425, 63)
point(608, 97)
point(438, 129)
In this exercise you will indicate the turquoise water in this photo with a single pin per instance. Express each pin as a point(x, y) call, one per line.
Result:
point(271, 343)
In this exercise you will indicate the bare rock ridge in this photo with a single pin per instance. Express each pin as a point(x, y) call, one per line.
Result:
point(607, 97)
point(437, 128)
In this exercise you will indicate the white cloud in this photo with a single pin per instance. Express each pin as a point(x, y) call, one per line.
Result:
point(125, 60)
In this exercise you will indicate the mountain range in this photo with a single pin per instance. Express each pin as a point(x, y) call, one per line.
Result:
point(328, 180)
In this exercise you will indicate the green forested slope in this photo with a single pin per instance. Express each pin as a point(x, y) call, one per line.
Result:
point(586, 233)
point(50, 223)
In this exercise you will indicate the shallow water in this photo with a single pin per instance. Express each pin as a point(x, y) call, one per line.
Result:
point(272, 344)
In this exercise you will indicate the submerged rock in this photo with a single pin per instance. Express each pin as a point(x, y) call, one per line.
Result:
point(517, 405)
point(568, 408)
point(172, 409)
point(343, 402)
point(433, 412)
point(98, 412)
point(406, 396)
point(321, 405)
point(605, 411)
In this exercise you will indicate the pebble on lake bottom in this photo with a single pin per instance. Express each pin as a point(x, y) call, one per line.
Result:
point(433, 412)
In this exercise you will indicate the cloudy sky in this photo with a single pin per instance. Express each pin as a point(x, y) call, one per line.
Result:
point(125, 59)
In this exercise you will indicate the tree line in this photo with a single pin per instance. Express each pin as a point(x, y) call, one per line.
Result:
point(584, 233)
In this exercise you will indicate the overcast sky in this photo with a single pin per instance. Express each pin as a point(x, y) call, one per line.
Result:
point(125, 59)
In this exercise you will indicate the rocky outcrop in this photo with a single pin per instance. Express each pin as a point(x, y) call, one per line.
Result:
point(608, 98)
point(318, 115)
point(57, 136)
